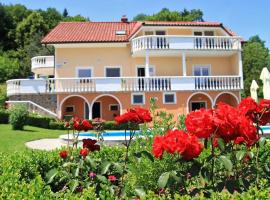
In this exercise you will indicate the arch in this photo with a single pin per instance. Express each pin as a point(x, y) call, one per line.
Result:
point(230, 93)
point(69, 96)
point(104, 95)
point(203, 93)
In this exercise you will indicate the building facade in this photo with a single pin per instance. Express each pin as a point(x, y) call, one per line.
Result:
point(100, 69)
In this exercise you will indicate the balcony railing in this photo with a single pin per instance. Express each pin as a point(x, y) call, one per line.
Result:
point(169, 42)
point(122, 84)
point(42, 62)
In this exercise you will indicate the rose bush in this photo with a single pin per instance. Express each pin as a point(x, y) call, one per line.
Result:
point(233, 157)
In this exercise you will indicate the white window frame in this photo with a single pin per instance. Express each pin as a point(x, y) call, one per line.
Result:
point(114, 105)
point(202, 65)
point(202, 31)
point(80, 67)
point(154, 31)
point(132, 97)
point(108, 67)
point(206, 106)
point(170, 93)
point(70, 106)
point(143, 66)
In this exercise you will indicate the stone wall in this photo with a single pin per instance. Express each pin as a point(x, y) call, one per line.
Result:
point(48, 101)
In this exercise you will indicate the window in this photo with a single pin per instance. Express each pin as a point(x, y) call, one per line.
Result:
point(84, 72)
point(160, 32)
point(201, 70)
point(169, 98)
point(112, 72)
point(120, 32)
point(198, 105)
point(137, 99)
point(69, 109)
point(114, 107)
point(148, 33)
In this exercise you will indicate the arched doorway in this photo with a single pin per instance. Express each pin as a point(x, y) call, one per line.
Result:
point(74, 105)
point(106, 107)
point(228, 98)
point(199, 100)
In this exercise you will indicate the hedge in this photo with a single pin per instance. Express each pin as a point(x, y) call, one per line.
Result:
point(4, 115)
point(52, 123)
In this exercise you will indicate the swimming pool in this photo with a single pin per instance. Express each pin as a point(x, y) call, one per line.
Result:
point(266, 129)
point(112, 136)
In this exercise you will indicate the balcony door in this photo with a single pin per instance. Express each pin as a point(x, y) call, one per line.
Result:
point(201, 70)
point(141, 73)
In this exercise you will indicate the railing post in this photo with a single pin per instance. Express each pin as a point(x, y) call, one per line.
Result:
point(147, 72)
point(184, 66)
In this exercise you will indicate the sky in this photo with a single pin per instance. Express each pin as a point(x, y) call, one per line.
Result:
point(245, 17)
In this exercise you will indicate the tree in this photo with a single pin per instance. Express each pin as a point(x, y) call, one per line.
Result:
point(51, 17)
point(31, 25)
point(5, 26)
point(167, 15)
point(255, 58)
point(65, 13)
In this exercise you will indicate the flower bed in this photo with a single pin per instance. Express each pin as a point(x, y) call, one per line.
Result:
point(213, 154)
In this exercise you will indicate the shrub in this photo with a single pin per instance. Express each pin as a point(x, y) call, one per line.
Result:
point(18, 116)
point(39, 121)
point(3, 95)
point(58, 125)
point(111, 125)
point(4, 115)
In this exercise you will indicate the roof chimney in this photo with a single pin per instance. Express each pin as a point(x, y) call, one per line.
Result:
point(124, 19)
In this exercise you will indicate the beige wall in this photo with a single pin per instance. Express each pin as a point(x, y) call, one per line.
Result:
point(181, 107)
point(98, 58)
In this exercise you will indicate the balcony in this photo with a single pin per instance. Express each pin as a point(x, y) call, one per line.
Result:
point(43, 65)
point(172, 44)
point(123, 84)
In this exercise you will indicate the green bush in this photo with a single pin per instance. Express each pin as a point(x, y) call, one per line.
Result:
point(58, 125)
point(18, 117)
point(111, 125)
point(39, 121)
point(4, 115)
point(3, 95)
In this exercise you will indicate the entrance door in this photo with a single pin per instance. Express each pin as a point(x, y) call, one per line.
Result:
point(197, 105)
point(96, 110)
point(86, 111)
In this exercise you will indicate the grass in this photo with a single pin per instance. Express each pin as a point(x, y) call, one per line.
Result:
point(11, 140)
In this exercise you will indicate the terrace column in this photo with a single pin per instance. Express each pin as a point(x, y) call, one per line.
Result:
point(184, 65)
point(147, 73)
point(240, 68)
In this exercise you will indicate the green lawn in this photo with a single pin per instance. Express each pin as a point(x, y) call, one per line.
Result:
point(11, 140)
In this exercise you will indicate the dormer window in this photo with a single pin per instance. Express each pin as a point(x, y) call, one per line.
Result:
point(120, 32)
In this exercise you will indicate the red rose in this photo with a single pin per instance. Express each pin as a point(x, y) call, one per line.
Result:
point(247, 107)
point(112, 178)
point(63, 154)
point(158, 146)
point(226, 118)
point(193, 148)
point(86, 125)
point(92, 175)
point(84, 152)
point(66, 125)
point(136, 115)
point(200, 123)
point(176, 141)
point(90, 145)
point(248, 131)
point(263, 110)
point(215, 142)
point(239, 140)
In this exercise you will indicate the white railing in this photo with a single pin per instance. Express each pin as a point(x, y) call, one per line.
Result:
point(33, 107)
point(42, 62)
point(169, 42)
point(122, 84)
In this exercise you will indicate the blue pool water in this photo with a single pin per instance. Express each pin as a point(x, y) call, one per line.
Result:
point(108, 134)
point(265, 128)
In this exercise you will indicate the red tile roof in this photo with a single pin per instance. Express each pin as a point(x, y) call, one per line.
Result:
point(87, 32)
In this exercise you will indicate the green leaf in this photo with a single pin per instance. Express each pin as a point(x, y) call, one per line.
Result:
point(118, 168)
point(250, 154)
point(240, 155)
point(140, 192)
point(173, 174)
point(266, 167)
point(51, 174)
point(148, 155)
point(221, 144)
point(105, 167)
point(92, 163)
point(73, 185)
point(69, 164)
point(101, 178)
point(226, 162)
point(163, 179)
point(262, 141)
point(77, 171)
